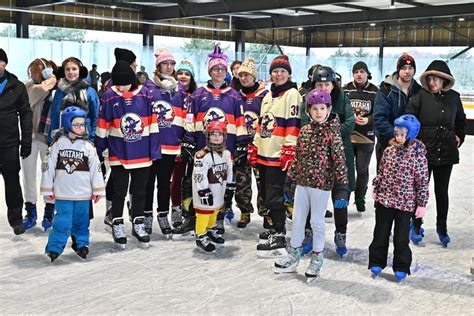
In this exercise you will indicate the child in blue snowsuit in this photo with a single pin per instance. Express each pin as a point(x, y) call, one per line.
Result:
point(72, 176)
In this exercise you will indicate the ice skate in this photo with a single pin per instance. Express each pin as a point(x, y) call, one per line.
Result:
point(375, 270)
point(340, 241)
point(202, 241)
point(148, 221)
point(400, 276)
point(244, 220)
point(186, 230)
point(274, 247)
point(18, 229)
point(229, 215)
point(263, 236)
point(307, 241)
point(31, 216)
point(48, 216)
point(215, 237)
point(53, 256)
point(360, 204)
point(138, 231)
point(164, 223)
point(416, 233)
point(81, 252)
point(289, 263)
point(220, 223)
point(176, 216)
point(328, 214)
point(443, 236)
point(118, 232)
point(314, 267)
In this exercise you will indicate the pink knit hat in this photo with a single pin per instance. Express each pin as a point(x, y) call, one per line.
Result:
point(217, 58)
point(163, 54)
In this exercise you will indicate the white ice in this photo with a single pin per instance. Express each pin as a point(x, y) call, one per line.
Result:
point(173, 277)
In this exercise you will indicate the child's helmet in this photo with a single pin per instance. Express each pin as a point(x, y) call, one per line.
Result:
point(216, 127)
point(318, 96)
point(69, 114)
point(411, 123)
point(323, 74)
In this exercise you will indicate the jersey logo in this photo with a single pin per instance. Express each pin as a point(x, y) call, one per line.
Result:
point(217, 173)
point(72, 160)
point(251, 121)
point(164, 113)
point(132, 128)
point(268, 125)
point(361, 107)
point(213, 114)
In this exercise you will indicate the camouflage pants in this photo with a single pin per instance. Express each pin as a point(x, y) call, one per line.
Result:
point(243, 191)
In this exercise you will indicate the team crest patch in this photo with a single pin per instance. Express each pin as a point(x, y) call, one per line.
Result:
point(213, 114)
point(251, 120)
point(132, 127)
point(164, 113)
point(218, 173)
point(44, 166)
point(268, 125)
point(72, 160)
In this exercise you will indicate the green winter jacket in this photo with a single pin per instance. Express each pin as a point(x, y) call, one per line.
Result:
point(342, 107)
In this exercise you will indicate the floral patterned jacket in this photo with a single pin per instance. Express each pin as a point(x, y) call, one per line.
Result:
point(402, 181)
point(320, 156)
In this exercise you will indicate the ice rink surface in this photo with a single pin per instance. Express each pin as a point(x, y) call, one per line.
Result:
point(174, 278)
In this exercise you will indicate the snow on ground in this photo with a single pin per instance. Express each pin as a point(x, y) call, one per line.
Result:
point(173, 277)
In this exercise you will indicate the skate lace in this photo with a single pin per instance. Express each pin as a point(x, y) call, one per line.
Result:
point(163, 221)
point(140, 229)
point(340, 240)
point(119, 230)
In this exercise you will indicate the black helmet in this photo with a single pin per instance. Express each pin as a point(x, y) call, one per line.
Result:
point(323, 74)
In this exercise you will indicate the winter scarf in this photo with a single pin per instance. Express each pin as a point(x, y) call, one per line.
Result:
point(165, 82)
point(75, 93)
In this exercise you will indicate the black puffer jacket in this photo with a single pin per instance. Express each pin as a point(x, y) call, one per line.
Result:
point(442, 118)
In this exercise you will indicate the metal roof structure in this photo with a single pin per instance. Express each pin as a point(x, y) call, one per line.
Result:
point(305, 23)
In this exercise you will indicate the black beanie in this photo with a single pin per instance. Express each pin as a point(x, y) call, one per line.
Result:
point(122, 74)
point(405, 59)
point(281, 61)
point(124, 54)
point(361, 65)
point(3, 56)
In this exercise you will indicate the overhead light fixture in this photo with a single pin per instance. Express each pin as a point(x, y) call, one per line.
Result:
point(372, 24)
point(297, 12)
point(392, 4)
point(461, 19)
point(300, 29)
point(220, 19)
point(113, 7)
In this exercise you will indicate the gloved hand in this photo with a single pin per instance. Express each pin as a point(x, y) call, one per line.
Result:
point(25, 151)
point(96, 198)
point(52, 197)
point(288, 154)
point(229, 193)
point(252, 155)
point(420, 212)
point(341, 203)
point(187, 151)
point(240, 154)
point(206, 197)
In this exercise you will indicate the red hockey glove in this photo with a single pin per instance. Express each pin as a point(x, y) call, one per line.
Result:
point(252, 155)
point(288, 153)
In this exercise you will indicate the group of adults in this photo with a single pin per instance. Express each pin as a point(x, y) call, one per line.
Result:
point(366, 112)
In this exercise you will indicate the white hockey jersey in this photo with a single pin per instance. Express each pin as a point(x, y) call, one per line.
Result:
point(72, 171)
point(211, 170)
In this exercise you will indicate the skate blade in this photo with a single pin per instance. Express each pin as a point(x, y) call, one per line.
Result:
point(186, 236)
point(143, 245)
point(311, 279)
point(283, 270)
point(271, 254)
point(120, 246)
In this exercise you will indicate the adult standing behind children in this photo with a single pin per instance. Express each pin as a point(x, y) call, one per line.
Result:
point(391, 100)
point(40, 88)
point(441, 114)
point(94, 75)
point(14, 104)
point(362, 96)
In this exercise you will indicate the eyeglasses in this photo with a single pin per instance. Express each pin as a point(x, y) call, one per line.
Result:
point(218, 69)
point(78, 125)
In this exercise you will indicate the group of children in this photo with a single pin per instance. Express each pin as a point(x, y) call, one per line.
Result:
point(223, 139)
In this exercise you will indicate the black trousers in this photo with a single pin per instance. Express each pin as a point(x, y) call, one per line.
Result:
point(161, 170)
point(441, 176)
point(137, 179)
point(272, 181)
point(340, 214)
point(378, 249)
point(10, 166)
point(362, 154)
point(379, 149)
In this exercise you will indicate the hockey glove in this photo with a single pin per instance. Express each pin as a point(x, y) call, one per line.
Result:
point(229, 193)
point(341, 203)
point(288, 153)
point(240, 154)
point(25, 150)
point(206, 197)
point(252, 155)
point(420, 212)
point(187, 151)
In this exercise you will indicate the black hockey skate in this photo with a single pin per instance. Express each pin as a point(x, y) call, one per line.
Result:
point(203, 242)
point(81, 252)
point(185, 230)
point(53, 256)
point(118, 232)
point(220, 223)
point(18, 229)
point(164, 223)
point(274, 247)
point(176, 216)
point(214, 236)
point(138, 231)
point(148, 221)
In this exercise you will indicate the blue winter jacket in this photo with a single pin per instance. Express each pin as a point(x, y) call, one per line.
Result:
point(390, 103)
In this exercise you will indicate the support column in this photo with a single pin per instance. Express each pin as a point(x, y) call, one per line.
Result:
point(148, 33)
point(381, 46)
point(22, 20)
point(239, 45)
point(307, 40)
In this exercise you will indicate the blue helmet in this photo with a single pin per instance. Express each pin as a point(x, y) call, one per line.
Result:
point(411, 123)
point(69, 114)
